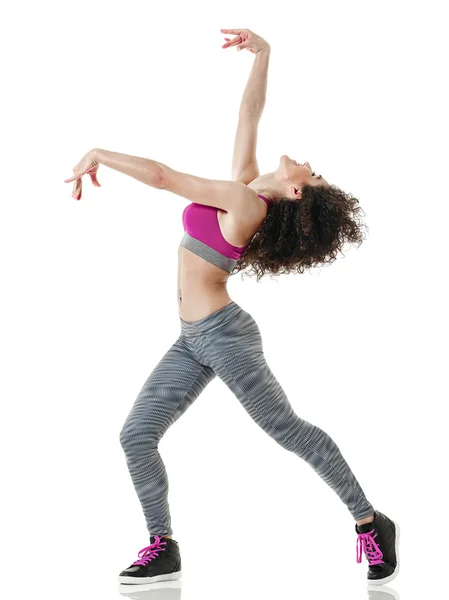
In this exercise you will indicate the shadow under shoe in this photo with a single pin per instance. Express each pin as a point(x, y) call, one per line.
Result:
point(379, 541)
point(160, 561)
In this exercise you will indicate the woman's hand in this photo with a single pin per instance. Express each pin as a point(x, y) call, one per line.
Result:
point(88, 164)
point(245, 39)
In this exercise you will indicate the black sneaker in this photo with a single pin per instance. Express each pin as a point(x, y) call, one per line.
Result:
point(380, 542)
point(160, 561)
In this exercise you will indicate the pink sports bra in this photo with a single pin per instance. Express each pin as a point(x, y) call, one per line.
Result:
point(203, 236)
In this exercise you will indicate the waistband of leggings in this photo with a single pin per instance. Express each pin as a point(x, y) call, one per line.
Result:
point(212, 321)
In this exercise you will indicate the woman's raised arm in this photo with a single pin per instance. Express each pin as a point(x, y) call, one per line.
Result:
point(244, 161)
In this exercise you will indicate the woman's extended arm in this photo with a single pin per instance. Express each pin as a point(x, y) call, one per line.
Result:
point(143, 169)
point(244, 161)
point(229, 196)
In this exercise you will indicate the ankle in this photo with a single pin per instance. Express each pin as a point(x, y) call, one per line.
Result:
point(367, 519)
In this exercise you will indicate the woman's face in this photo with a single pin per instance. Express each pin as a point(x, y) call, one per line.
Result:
point(295, 173)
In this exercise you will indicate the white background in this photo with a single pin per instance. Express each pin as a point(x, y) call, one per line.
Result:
point(89, 301)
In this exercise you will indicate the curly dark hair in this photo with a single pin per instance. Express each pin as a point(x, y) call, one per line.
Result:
point(301, 234)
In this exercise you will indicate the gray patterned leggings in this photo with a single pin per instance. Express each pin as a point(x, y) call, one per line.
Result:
point(226, 343)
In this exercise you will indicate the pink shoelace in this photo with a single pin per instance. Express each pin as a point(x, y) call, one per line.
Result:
point(150, 552)
point(366, 543)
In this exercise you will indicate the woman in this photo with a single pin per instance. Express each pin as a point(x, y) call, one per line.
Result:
point(286, 221)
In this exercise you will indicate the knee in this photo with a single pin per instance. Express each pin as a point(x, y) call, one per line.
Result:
point(299, 437)
point(127, 436)
point(138, 434)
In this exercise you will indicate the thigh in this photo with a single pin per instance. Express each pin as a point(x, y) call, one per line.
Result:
point(239, 361)
point(173, 385)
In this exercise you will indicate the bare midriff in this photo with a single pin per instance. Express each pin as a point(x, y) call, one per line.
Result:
point(201, 285)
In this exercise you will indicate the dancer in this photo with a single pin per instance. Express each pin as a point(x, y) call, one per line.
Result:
point(285, 221)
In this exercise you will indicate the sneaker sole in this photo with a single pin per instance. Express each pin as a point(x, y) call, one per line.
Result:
point(396, 571)
point(145, 580)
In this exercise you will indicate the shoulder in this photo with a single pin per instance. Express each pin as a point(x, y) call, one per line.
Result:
point(249, 209)
point(226, 195)
point(251, 200)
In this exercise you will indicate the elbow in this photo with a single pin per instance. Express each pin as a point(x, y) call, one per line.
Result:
point(160, 178)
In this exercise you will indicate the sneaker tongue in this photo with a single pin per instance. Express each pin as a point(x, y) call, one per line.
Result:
point(153, 539)
point(365, 527)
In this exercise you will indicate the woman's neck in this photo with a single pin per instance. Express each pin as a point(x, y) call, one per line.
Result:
point(266, 185)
